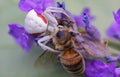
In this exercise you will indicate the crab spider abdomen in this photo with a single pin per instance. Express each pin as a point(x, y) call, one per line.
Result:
point(35, 23)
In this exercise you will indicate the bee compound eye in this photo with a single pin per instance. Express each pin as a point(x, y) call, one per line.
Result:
point(60, 34)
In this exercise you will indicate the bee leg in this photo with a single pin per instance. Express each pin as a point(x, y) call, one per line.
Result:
point(58, 57)
point(105, 42)
point(45, 38)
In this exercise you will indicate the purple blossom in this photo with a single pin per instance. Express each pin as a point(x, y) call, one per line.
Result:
point(98, 68)
point(117, 16)
point(91, 30)
point(79, 18)
point(84, 21)
point(117, 70)
point(114, 30)
point(38, 5)
point(18, 32)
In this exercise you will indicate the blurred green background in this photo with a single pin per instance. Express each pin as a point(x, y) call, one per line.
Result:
point(14, 62)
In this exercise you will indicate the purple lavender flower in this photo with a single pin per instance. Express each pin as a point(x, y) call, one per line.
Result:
point(79, 18)
point(98, 68)
point(114, 30)
point(84, 21)
point(91, 30)
point(117, 16)
point(117, 70)
point(18, 32)
point(37, 5)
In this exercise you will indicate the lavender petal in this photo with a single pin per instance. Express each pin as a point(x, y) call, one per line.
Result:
point(37, 5)
point(117, 16)
point(113, 31)
point(98, 68)
point(18, 32)
point(117, 70)
point(61, 5)
point(78, 18)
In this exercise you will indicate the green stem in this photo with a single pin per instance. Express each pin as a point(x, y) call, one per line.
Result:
point(114, 46)
point(113, 51)
point(114, 43)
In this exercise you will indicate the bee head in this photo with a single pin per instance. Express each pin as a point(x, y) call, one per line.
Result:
point(63, 40)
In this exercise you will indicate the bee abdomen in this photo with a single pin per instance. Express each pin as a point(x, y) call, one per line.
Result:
point(74, 65)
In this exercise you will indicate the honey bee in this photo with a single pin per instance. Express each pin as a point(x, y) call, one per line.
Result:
point(75, 47)
point(71, 60)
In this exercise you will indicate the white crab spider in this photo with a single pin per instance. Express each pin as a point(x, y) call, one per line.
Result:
point(39, 23)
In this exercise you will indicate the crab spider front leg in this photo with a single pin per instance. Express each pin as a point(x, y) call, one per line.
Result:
point(60, 10)
point(48, 13)
point(52, 20)
point(45, 38)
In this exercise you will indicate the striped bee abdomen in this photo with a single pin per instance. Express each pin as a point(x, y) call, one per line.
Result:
point(72, 62)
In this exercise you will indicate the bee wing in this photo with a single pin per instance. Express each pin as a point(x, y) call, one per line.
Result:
point(95, 49)
point(92, 47)
point(46, 58)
